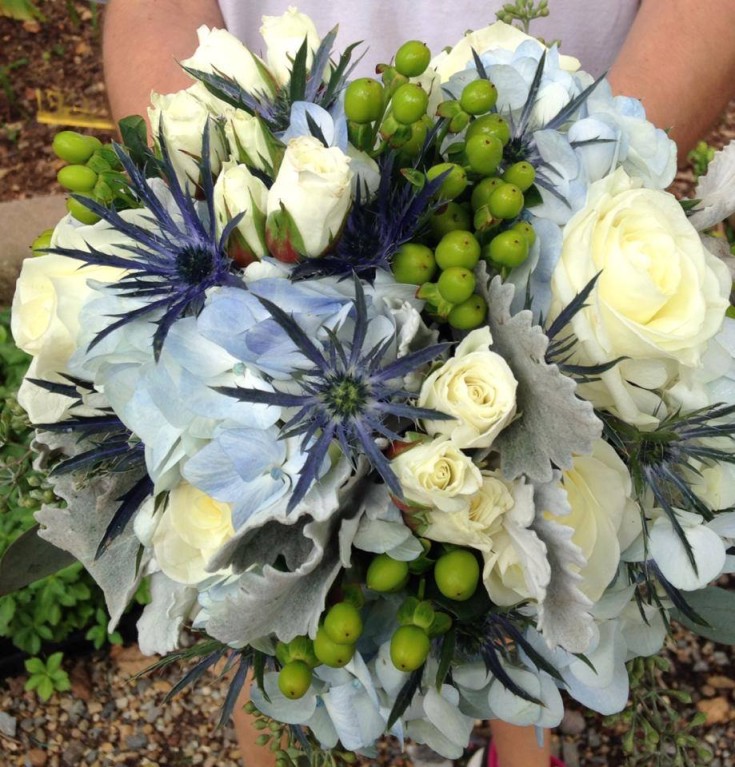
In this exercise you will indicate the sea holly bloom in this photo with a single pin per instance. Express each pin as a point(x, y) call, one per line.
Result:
point(346, 396)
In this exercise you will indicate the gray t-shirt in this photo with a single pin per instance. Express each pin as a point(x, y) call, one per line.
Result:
point(591, 30)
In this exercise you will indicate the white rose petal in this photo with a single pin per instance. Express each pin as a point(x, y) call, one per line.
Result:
point(283, 36)
point(193, 526)
point(476, 387)
point(437, 474)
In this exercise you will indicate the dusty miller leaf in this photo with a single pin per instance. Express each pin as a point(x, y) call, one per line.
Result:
point(79, 528)
point(716, 190)
point(554, 424)
point(564, 614)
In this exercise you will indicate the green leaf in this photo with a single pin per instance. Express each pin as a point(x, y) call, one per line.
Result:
point(45, 689)
point(717, 607)
point(53, 664)
point(28, 559)
point(445, 658)
point(35, 666)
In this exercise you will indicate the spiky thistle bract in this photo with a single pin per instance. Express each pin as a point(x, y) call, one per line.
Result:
point(173, 259)
point(347, 395)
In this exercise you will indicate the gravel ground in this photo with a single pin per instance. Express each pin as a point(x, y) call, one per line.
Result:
point(110, 718)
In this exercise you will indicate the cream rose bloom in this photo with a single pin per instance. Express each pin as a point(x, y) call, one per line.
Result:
point(475, 386)
point(495, 36)
point(313, 187)
point(604, 516)
point(436, 474)
point(220, 52)
point(283, 36)
point(192, 528)
point(661, 296)
point(497, 523)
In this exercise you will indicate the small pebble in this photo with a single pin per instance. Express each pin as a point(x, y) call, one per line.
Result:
point(573, 723)
point(8, 724)
point(136, 742)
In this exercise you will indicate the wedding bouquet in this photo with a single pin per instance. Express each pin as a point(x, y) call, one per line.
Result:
point(411, 394)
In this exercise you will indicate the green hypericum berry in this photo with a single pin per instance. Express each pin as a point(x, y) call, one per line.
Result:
point(470, 314)
point(458, 248)
point(343, 623)
point(478, 97)
point(489, 125)
point(455, 181)
point(409, 648)
point(484, 154)
point(364, 100)
point(77, 178)
point(456, 284)
point(509, 248)
point(522, 174)
point(386, 574)
point(506, 201)
point(413, 264)
point(413, 146)
point(456, 574)
point(42, 242)
point(409, 103)
point(81, 212)
point(482, 190)
point(301, 648)
point(332, 653)
point(412, 58)
point(526, 230)
point(450, 217)
point(294, 679)
point(73, 147)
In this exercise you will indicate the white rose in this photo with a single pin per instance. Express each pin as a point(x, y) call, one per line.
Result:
point(283, 36)
point(477, 523)
point(476, 387)
point(236, 192)
point(192, 527)
point(182, 117)
point(49, 295)
point(604, 517)
point(495, 36)
point(220, 52)
point(309, 199)
point(660, 297)
point(437, 474)
point(248, 140)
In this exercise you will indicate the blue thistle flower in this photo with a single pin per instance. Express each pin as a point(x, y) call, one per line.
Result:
point(347, 395)
point(172, 263)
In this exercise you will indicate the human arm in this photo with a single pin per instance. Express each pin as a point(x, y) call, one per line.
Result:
point(142, 43)
point(679, 59)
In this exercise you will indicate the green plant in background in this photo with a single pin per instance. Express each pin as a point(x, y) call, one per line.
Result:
point(47, 678)
point(700, 157)
point(21, 10)
point(53, 608)
point(657, 733)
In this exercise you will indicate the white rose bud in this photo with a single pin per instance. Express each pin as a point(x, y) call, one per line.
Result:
point(309, 199)
point(192, 528)
point(220, 52)
point(182, 117)
point(477, 388)
point(661, 296)
point(248, 140)
point(437, 474)
point(236, 192)
point(283, 36)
